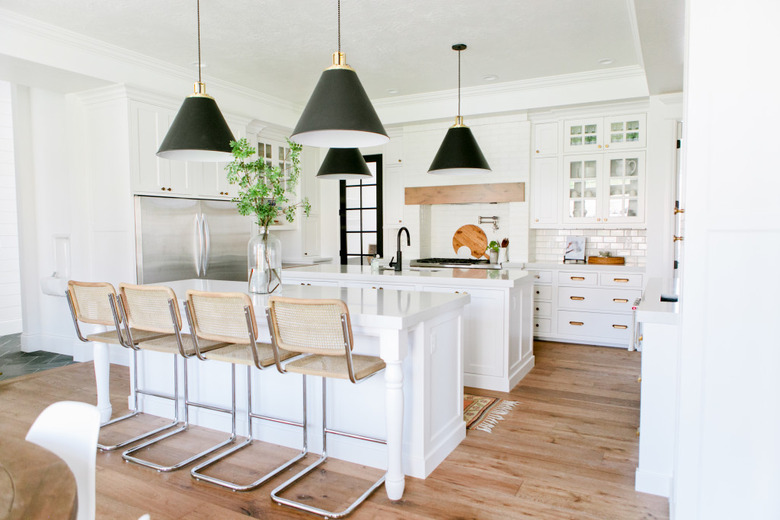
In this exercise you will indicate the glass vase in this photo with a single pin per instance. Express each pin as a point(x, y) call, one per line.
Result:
point(265, 263)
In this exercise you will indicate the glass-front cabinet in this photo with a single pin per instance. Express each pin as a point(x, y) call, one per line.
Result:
point(604, 133)
point(582, 188)
point(604, 188)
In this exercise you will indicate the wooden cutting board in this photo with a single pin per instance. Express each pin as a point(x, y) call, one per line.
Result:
point(472, 237)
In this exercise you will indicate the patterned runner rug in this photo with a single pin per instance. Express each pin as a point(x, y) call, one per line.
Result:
point(483, 413)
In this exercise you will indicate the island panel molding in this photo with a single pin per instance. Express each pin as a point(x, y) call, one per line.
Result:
point(466, 193)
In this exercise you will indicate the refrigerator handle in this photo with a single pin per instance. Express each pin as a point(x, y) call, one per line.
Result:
point(207, 242)
point(198, 253)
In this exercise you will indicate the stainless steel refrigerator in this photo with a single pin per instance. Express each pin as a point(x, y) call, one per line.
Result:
point(178, 239)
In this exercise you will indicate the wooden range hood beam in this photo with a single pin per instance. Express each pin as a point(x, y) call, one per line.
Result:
point(466, 193)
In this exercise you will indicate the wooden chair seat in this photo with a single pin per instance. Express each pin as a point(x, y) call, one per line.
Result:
point(111, 337)
point(168, 344)
point(242, 354)
point(336, 366)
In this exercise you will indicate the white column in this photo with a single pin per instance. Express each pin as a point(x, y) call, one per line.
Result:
point(393, 349)
point(102, 380)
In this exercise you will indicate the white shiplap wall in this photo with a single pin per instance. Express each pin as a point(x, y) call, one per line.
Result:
point(10, 288)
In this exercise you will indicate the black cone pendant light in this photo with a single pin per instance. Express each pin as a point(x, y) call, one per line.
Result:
point(339, 113)
point(459, 153)
point(344, 163)
point(199, 131)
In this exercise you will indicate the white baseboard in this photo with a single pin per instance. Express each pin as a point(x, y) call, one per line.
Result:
point(653, 483)
point(10, 327)
point(522, 371)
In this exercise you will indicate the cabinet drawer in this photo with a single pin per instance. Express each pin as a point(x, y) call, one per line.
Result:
point(542, 309)
point(541, 325)
point(542, 292)
point(612, 327)
point(620, 280)
point(597, 298)
point(577, 278)
point(542, 276)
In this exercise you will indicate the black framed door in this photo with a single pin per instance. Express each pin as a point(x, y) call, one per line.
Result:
point(360, 212)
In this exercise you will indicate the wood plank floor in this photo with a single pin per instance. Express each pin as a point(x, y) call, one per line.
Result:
point(568, 450)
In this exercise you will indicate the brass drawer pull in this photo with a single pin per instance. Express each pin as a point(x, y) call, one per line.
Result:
point(577, 298)
point(621, 327)
point(620, 300)
point(578, 278)
point(620, 280)
point(576, 323)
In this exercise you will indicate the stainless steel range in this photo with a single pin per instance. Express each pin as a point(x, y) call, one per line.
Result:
point(463, 263)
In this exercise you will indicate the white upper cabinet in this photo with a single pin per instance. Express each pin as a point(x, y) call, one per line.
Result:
point(545, 192)
point(604, 133)
point(545, 139)
point(604, 188)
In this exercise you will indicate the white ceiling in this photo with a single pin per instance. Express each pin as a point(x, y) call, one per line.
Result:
point(279, 47)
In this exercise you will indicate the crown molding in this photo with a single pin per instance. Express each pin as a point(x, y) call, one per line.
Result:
point(60, 37)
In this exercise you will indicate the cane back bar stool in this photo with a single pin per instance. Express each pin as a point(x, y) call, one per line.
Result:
point(154, 308)
point(323, 330)
point(95, 303)
point(230, 317)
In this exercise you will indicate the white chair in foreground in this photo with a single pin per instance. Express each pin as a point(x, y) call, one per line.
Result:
point(70, 430)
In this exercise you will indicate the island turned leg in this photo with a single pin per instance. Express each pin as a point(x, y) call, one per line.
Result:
point(101, 381)
point(393, 350)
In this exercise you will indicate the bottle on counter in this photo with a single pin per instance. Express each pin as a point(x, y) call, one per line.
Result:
point(375, 264)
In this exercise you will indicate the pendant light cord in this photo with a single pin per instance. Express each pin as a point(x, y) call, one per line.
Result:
point(339, 24)
point(199, 67)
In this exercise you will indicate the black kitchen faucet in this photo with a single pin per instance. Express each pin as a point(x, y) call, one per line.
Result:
point(398, 263)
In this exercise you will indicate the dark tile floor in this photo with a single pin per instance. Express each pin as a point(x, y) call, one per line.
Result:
point(14, 362)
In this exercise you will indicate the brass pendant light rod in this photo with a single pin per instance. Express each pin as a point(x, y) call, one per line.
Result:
point(460, 47)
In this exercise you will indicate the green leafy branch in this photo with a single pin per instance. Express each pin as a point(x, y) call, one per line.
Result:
point(264, 190)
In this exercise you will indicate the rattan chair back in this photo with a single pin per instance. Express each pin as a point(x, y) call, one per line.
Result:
point(90, 301)
point(310, 326)
point(221, 316)
point(147, 308)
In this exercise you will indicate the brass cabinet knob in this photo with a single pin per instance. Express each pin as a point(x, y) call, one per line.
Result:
point(169, 189)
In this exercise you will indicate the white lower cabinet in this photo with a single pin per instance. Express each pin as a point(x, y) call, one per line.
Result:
point(483, 330)
point(582, 305)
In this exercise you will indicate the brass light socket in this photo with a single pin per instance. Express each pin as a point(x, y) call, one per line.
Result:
point(199, 89)
point(458, 122)
point(339, 61)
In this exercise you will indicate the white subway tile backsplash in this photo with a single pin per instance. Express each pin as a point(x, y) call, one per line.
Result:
point(546, 245)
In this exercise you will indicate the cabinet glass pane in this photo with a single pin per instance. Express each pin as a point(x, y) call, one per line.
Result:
point(632, 136)
point(575, 130)
point(590, 169)
point(589, 208)
point(576, 141)
point(591, 129)
point(616, 127)
point(591, 139)
point(575, 170)
point(633, 205)
point(616, 138)
point(616, 168)
point(632, 125)
point(617, 207)
point(575, 189)
point(575, 208)
point(631, 167)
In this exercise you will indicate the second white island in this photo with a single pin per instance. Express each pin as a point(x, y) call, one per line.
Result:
point(498, 332)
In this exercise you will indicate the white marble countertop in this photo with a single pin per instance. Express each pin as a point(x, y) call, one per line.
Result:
point(388, 309)
point(486, 278)
point(585, 267)
point(652, 310)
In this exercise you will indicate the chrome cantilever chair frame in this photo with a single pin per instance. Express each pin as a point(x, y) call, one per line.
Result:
point(128, 455)
point(123, 342)
point(275, 494)
point(197, 471)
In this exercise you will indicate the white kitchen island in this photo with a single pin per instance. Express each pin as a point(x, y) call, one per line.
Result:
point(416, 402)
point(498, 321)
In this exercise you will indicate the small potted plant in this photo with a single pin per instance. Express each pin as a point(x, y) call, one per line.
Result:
point(492, 249)
point(265, 191)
